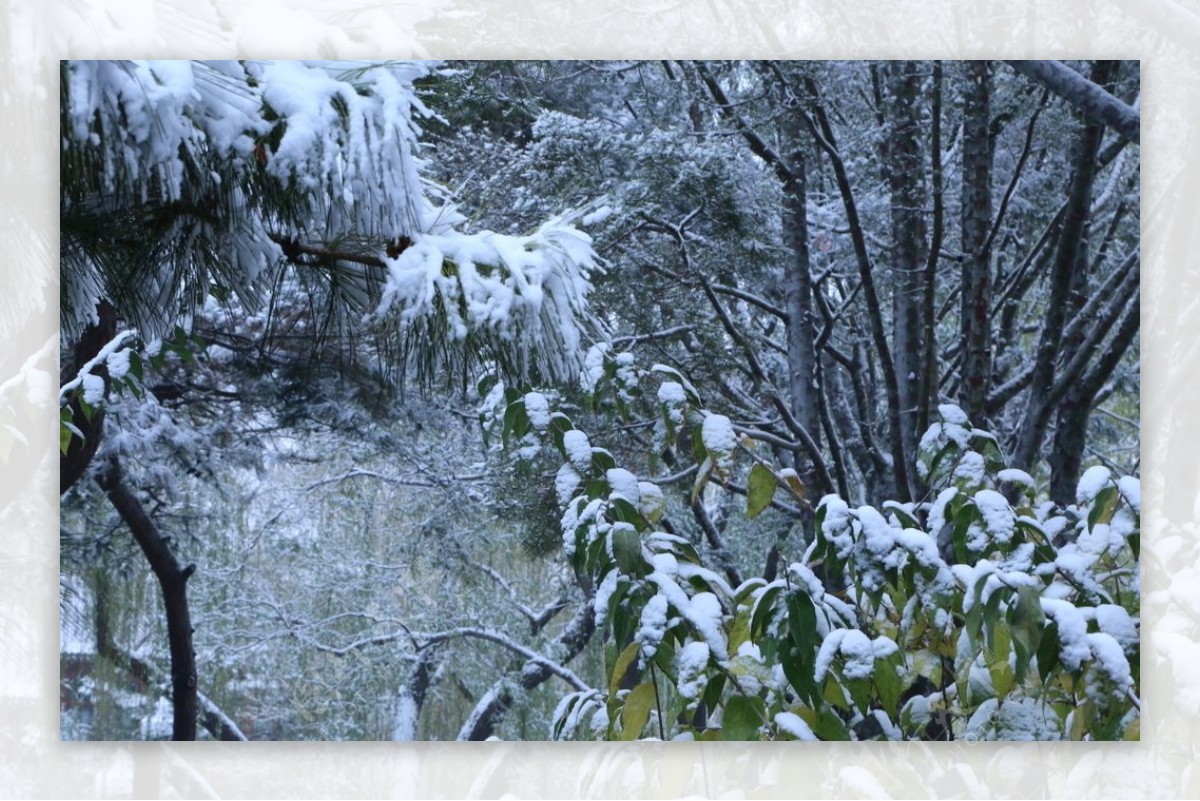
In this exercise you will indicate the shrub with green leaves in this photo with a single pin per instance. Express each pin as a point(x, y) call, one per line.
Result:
point(980, 613)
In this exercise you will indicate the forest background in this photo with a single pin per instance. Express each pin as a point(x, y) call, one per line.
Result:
point(265, 263)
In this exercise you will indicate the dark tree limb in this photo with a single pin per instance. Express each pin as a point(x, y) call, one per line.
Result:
point(172, 578)
point(74, 463)
point(1068, 258)
point(494, 703)
point(411, 698)
point(1088, 98)
point(822, 133)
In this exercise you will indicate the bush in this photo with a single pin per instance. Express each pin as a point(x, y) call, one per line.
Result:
point(982, 614)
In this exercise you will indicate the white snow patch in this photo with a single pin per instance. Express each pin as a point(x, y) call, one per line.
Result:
point(653, 626)
point(651, 501)
point(1110, 660)
point(794, 725)
point(953, 414)
point(1093, 480)
point(538, 410)
point(624, 484)
point(997, 514)
point(718, 437)
point(1072, 631)
point(1015, 476)
point(859, 651)
point(93, 389)
point(579, 450)
point(566, 482)
point(1131, 490)
point(693, 661)
point(1115, 621)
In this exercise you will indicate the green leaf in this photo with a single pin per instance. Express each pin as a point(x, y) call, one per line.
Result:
point(760, 489)
point(762, 611)
point(802, 628)
point(860, 693)
point(798, 674)
point(135, 365)
point(743, 717)
point(636, 711)
point(626, 659)
point(973, 622)
point(627, 550)
point(699, 452)
point(802, 620)
point(602, 460)
point(66, 428)
point(906, 519)
point(1026, 620)
point(739, 632)
point(622, 510)
point(1048, 651)
point(560, 424)
point(991, 615)
point(828, 726)
point(88, 410)
point(665, 656)
point(833, 693)
point(1103, 506)
point(1001, 671)
point(748, 587)
point(712, 691)
point(985, 444)
point(936, 461)
point(968, 515)
point(889, 683)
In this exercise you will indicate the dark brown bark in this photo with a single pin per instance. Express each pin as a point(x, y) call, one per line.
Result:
point(172, 579)
point(74, 463)
point(929, 390)
point(976, 216)
point(802, 361)
point(906, 179)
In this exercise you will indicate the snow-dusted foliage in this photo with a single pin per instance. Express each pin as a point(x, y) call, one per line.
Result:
point(761, 455)
point(243, 163)
point(964, 617)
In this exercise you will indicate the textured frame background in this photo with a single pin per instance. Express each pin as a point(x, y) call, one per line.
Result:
point(1164, 34)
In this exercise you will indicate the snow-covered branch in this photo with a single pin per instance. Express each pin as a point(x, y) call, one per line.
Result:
point(507, 642)
point(1088, 98)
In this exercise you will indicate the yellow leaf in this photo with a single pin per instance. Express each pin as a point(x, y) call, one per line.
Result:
point(636, 711)
point(622, 666)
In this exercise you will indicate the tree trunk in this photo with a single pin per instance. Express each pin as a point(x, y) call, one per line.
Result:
point(976, 219)
point(906, 177)
point(929, 392)
point(1069, 257)
point(1074, 412)
point(80, 452)
point(801, 356)
point(172, 578)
